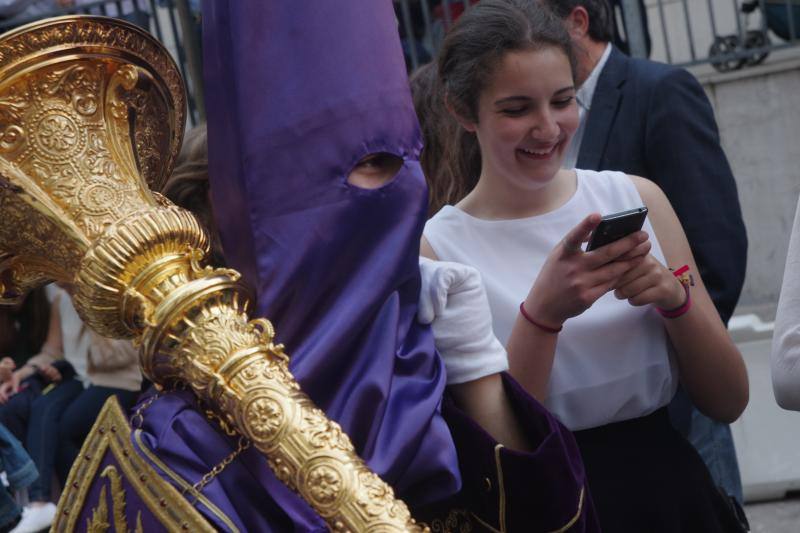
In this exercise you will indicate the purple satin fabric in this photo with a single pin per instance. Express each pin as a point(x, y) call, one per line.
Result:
point(188, 445)
point(297, 92)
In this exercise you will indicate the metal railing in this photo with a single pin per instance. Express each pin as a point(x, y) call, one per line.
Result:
point(728, 34)
point(170, 21)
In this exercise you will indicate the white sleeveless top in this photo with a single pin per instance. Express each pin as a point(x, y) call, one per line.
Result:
point(612, 363)
point(75, 337)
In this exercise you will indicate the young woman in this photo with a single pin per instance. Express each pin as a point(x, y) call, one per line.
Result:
point(593, 333)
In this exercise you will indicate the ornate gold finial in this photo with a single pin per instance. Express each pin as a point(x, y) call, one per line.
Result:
point(91, 114)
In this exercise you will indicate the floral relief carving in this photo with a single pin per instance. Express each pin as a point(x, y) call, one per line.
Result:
point(264, 417)
point(324, 483)
point(57, 133)
point(377, 495)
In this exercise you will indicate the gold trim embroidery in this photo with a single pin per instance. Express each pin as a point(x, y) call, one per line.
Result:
point(502, 503)
point(574, 518)
point(111, 434)
point(484, 524)
point(457, 521)
point(98, 523)
point(137, 435)
point(501, 488)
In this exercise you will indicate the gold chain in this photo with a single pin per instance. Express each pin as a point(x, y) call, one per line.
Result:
point(138, 419)
point(214, 472)
point(229, 431)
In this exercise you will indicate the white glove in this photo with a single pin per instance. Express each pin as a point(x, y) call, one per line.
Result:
point(452, 299)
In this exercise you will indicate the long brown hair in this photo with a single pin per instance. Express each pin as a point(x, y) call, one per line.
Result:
point(447, 171)
point(470, 52)
point(188, 186)
point(23, 329)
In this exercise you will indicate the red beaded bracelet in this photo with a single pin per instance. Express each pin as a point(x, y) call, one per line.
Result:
point(530, 319)
point(685, 279)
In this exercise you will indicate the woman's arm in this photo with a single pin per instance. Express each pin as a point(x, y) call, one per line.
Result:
point(483, 398)
point(569, 283)
point(485, 401)
point(51, 351)
point(711, 367)
point(786, 340)
point(53, 348)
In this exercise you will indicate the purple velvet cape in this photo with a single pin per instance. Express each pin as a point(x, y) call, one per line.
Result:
point(297, 91)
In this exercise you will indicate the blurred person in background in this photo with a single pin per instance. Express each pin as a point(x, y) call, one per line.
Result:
point(112, 370)
point(16, 12)
point(23, 329)
point(785, 359)
point(19, 472)
point(40, 394)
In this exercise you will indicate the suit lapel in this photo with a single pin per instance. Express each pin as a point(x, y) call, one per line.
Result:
point(605, 102)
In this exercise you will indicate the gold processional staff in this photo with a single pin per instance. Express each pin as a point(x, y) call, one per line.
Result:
point(91, 117)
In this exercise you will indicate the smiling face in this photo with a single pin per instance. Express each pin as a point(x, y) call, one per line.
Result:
point(527, 115)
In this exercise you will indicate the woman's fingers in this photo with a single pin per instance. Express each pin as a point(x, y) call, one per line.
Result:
point(616, 250)
point(627, 289)
point(636, 272)
point(645, 297)
point(573, 241)
point(610, 274)
point(641, 250)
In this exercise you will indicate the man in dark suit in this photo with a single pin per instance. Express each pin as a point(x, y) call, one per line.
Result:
point(654, 120)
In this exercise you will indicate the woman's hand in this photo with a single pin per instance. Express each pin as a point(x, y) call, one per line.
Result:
point(10, 387)
point(50, 373)
point(650, 282)
point(7, 367)
point(571, 280)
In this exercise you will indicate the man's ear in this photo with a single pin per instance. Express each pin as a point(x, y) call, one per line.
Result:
point(577, 23)
point(465, 123)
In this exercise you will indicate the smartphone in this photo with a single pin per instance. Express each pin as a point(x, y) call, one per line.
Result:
point(616, 226)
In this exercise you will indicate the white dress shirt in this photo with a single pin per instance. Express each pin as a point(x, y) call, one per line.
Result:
point(584, 97)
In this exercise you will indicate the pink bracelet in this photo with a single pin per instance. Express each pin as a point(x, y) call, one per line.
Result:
point(685, 279)
point(530, 319)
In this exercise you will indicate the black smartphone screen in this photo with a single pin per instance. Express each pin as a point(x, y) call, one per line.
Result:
point(616, 226)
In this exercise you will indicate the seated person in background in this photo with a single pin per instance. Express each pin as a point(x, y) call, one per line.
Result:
point(23, 329)
point(53, 397)
point(19, 471)
point(786, 339)
point(507, 72)
point(112, 370)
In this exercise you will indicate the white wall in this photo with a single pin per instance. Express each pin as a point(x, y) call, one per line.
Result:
point(758, 112)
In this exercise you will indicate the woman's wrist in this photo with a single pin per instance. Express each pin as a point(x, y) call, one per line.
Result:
point(677, 298)
point(542, 323)
point(683, 300)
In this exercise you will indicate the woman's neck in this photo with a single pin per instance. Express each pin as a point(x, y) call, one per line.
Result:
point(496, 200)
